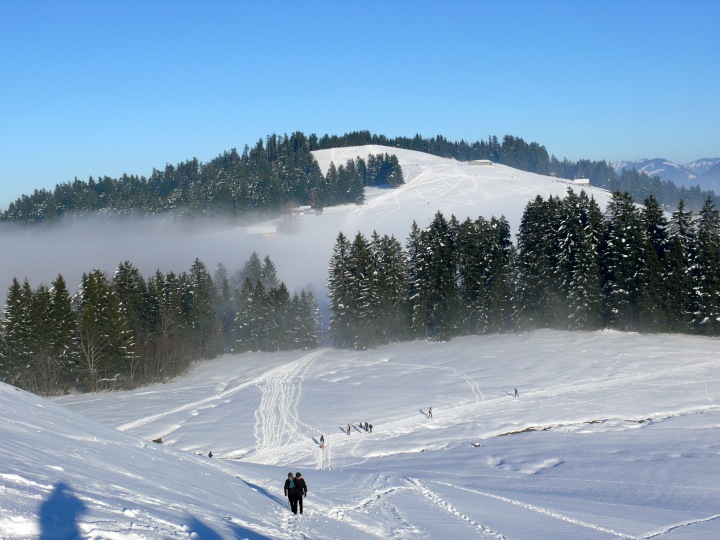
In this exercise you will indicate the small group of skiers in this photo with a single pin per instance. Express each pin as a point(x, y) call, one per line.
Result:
point(295, 490)
point(361, 425)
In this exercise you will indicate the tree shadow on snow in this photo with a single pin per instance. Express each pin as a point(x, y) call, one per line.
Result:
point(59, 515)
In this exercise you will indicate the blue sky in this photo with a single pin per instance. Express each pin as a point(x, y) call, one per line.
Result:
point(107, 87)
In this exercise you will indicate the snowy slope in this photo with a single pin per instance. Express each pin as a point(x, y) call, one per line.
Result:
point(613, 436)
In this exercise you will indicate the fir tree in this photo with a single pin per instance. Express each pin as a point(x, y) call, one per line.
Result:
point(105, 341)
point(706, 271)
point(622, 262)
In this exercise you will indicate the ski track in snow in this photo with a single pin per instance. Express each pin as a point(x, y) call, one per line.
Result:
point(546, 511)
point(474, 386)
point(276, 419)
point(450, 509)
point(259, 380)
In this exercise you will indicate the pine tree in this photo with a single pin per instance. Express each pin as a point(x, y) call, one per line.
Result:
point(653, 301)
point(706, 274)
point(202, 319)
point(416, 261)
point(622, 262)
point(436, 284)
point(225, 306)
point(388, 288)
point(339, 292)
point(359, 278)
point(680, 268)
point(579, 263)
point(104, 338)
point(63, 340)
point(16, 332)
point(268, 274)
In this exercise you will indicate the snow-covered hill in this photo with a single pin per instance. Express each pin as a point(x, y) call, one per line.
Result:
point(612, 436)
point(299, 244)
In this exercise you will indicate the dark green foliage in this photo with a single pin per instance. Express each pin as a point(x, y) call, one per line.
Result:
point(127, 331)
point(104, 337)
point(706, 272)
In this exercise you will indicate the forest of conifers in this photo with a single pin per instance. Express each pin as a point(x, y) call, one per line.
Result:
point(573, 267)
point(124, 331)
point(281, 170)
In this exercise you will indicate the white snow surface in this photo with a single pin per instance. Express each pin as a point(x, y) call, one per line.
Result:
point(613, 435)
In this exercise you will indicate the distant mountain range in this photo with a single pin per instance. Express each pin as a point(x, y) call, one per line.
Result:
point(704, 172)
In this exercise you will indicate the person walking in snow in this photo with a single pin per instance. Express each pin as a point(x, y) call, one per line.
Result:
point(429, 415)
point(322, 441)
point(289, 487)
point(516, 393)
point(299, 491)
point(348, 429)
point(370, 428)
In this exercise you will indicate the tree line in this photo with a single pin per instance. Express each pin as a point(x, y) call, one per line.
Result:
point(573, 267)
point(281, 170)
point(123, 331)
point(271, 175)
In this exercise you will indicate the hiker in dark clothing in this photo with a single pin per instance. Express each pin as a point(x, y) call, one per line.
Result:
point(289, 487)
point(298, 492)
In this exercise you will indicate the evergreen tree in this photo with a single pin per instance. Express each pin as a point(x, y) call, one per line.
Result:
point(416, 261)
point(622, 262)
point(342, 317)
point(268, 274)
point(706, 275)
point(359, 279)
point(653, 300)
point(201, 313)
point(436, 284)
point(579, 263)
point(388, 288)
point(680, 267)
point(16, 332)
point(104, 338)
point(63, 340)
point(225, 306)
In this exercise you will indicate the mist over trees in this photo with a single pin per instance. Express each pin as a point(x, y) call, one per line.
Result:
point(281, 170)
point(573, 267)
point(122, 331)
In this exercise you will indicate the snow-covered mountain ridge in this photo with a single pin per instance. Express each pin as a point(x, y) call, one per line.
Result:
point(704, 172)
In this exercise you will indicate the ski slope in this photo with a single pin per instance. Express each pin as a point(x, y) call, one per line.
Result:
point(613, 436)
